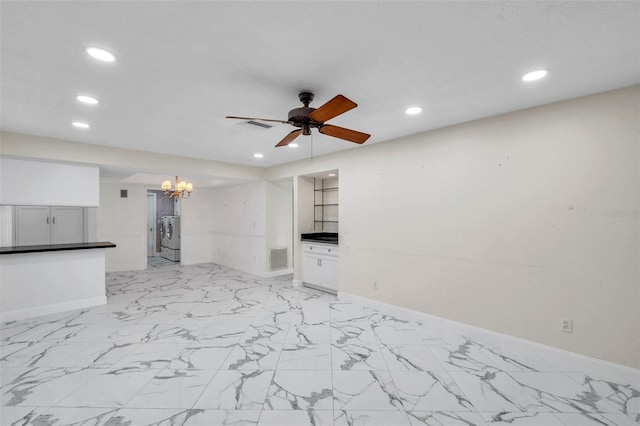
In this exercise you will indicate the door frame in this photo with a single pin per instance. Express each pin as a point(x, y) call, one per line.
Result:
point(153, 231)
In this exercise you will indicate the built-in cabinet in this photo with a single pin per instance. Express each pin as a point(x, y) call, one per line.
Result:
point(37, 225)
point(320, 265)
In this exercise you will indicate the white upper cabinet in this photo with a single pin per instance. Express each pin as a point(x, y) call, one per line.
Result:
point(67, 225)
point(33, 225)
point(38, 225)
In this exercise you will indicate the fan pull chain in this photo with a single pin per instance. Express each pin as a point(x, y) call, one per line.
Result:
point(311, 135)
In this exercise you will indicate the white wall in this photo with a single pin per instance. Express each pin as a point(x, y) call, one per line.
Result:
point(27, 182)
point(239, 234)
point(508, 223)
point(279, 218)
point(303, 222)
point(306, 198)
point(123, 221)
point(197, 222)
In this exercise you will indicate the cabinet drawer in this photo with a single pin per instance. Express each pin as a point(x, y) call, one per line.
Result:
point(318, 249)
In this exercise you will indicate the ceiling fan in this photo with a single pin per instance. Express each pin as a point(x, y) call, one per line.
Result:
point(307, 118)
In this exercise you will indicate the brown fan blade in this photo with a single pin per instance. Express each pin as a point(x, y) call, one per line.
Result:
point(333, 108)
point(342, 133)
point(257, 119)
point(289, 138)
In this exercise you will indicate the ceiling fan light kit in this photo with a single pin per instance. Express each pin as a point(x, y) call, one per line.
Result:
point(307, 118)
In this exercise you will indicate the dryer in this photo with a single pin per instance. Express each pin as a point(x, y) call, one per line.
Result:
point(170, 238)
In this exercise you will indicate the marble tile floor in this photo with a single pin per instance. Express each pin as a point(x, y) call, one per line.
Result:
point(207, 345)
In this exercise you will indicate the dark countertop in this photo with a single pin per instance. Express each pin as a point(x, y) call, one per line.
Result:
point(55, 247)
point(320, 237)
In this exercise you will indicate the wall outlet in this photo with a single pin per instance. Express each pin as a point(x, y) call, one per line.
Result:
point(375, 285)
point(311, 227)
point(566, 325)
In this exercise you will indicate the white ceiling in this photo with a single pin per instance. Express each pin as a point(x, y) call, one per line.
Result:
point(183, 66)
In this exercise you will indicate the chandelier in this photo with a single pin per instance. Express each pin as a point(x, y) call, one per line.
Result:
point(182, 189)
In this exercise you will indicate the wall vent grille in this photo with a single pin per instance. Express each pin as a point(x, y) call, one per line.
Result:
point(278, 258)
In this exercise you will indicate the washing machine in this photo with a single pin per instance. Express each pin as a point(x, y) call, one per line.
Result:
point(163, 226)
point(170, 238)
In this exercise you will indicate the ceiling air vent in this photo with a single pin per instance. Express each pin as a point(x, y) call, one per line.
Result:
point(259, 124)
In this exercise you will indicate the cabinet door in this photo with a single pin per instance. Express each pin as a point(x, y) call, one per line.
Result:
point(32, 225)
point(67, 225)
point(330, 273)
point(310, 269)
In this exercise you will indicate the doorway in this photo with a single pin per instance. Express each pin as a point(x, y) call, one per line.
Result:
point(157, 206)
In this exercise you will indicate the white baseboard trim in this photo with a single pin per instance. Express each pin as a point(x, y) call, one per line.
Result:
point(261, 274)
point(272, 274)
point(20, 314)
point(566, 360)
point(320, 288)
point(296, 283)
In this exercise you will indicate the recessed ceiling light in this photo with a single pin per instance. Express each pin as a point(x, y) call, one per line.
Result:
point(100, 54)
point(535, 75)
point(413, 110)
point(258, 155)
point(332, 174)
point(293, 145)
point(80, 125)
point(87, 99)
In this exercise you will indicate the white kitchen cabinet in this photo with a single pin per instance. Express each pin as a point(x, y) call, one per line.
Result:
point(33, 225)
point(329, 269)
point(67, 225)
point(320, 265)
point(37, 225)
point(311, 269)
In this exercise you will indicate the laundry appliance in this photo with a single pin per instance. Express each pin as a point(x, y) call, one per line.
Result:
point(170, 238)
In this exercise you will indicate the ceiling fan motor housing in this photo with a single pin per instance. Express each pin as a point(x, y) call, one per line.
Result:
point(299, 117)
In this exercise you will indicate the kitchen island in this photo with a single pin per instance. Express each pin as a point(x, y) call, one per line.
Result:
point(46, 279)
